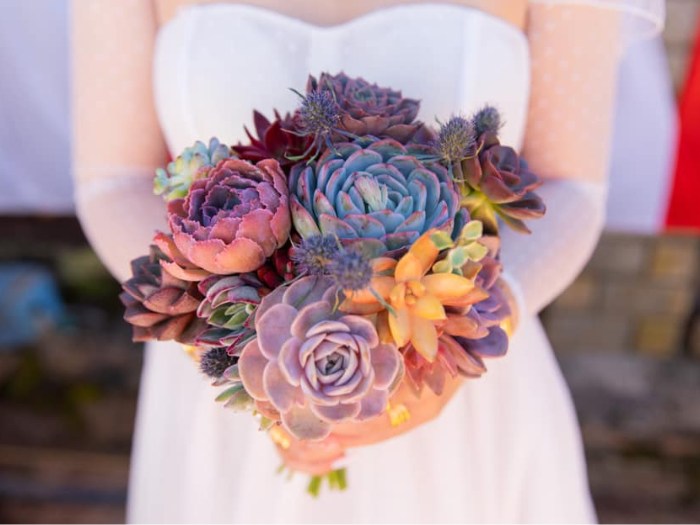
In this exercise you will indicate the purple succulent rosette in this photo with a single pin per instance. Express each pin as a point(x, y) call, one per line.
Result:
point(159, 305)
point(231, 221)
point(315, 365)
point(378, 195)
point(368, 109)
point(488, 314)
point(500, 184)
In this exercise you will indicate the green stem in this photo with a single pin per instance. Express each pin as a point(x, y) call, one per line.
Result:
point(342, 478)
point(337, 480)
point(332, 480)
point(314, 487)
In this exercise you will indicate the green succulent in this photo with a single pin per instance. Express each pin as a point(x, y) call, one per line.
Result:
point(466, 247)
point(174, 182)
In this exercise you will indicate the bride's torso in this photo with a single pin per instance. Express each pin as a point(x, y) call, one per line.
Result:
point(215, 63)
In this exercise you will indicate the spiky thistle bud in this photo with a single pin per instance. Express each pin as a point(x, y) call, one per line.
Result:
point(313, 255)
point(487, 119)
point(456, 139)
point(316, 120)
point(350, 269)
point(215, 362)
point(319, 113)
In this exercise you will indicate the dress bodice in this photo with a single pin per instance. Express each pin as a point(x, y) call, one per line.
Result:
point(215, 63)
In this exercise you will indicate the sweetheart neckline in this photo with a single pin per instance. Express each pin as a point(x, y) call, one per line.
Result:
point(187, 10)
point(319, 48)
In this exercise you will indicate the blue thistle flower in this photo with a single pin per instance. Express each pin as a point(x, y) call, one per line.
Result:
point(350, 269)
point(215, 362)
point(456, 139)
point(319, 113)
point(487, 119)
point(314, 254)
point(318, 117)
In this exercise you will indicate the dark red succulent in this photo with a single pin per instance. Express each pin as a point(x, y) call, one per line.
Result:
point(277, 140)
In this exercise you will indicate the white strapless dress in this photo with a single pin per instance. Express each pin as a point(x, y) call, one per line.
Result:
point(507, 448)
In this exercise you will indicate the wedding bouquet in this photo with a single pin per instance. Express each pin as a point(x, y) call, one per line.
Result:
point(346, 251)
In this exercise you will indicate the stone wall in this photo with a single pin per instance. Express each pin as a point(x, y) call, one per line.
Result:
point(627, 336)
point(637, 294)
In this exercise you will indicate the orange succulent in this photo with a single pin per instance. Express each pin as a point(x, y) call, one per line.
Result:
point(411, 302)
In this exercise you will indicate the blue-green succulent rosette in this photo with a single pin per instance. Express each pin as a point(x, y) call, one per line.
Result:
point(374, 193)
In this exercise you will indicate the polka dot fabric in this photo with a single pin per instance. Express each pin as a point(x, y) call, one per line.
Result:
point(115, 122)
point(117, 138)
point(575, 48)
point(572, 81)
point(567, 142)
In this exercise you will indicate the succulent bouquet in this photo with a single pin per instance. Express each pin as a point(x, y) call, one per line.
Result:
point(346, 250)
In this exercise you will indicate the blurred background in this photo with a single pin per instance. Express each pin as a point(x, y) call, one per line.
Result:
point(626, 333)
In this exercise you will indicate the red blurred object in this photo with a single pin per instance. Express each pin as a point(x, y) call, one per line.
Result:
point(684, 208)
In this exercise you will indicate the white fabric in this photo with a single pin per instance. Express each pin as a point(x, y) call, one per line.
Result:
point(506, 450)
point(35, 130)
point(507, 447)
point(192, 106)
point(546, 262)
point(644, 141)
point(125, 202)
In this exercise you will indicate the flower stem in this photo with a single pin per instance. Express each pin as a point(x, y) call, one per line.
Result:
point(314, 487)
point(342, 478)
point(337, 480)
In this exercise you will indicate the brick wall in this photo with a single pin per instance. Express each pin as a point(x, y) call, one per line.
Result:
point(637, 294)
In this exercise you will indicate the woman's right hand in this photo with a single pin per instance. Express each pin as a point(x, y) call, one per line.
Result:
point(419, 410)
point(316, 458)
point(322, 457)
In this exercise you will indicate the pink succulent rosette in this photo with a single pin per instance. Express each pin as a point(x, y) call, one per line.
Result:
point(233, 219)
point(317, 366)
